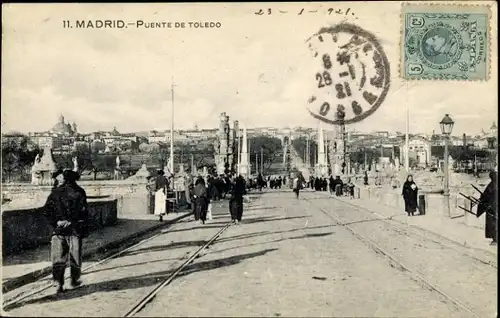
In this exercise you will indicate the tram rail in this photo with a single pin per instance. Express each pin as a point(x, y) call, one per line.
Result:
point(143, 301)
point(414, 274)
point(402, 226)
point(47, 280)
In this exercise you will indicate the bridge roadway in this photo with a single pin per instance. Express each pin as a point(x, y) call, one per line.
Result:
point(289, 258)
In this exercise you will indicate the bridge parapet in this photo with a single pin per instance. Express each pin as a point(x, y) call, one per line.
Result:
point(26, 227)
point(22, 194)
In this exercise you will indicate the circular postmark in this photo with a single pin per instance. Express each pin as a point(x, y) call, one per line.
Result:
point(352, 74)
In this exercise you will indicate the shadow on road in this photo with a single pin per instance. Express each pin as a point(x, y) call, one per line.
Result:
point(262, 233)
point(218, 224)
point(158, 248)
point(96, 239)
point(262, 208)
point(182, 244)
point(271, 219)
point(142, 280)
point(135, 264)
point(362, 221)
point(304, 236)
point(208, 225)
point(257, 234)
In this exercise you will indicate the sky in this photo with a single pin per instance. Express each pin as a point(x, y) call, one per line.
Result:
point(254, 67)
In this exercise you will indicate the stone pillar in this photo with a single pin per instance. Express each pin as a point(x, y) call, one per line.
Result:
point(244, 167)
point(321, 166)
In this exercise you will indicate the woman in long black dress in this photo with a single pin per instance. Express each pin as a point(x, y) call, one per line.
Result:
point(201, 200)
point(410, 195)
point(236, 202)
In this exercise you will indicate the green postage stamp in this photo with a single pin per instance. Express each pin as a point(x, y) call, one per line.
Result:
point(445, 42)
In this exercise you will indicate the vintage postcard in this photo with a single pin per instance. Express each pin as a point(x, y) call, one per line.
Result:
point(250, 159)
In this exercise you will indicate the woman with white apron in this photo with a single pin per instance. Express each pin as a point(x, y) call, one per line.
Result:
point(160, 194)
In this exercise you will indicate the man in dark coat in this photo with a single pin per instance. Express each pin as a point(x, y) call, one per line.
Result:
point(213, 191)
point(66, 210)
point(324, 184)
point(260, 182)
point(236, 202)
point(488, 204)
point(317, 184)
point(332, 184)
point(339, 185)
point(226, 184)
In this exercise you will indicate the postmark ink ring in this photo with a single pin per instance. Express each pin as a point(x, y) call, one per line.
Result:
point(352, 74)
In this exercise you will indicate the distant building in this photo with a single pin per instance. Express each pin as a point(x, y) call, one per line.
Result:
point(487, 140)
point(42, 141)
point(63, 128)
point(60, 137)
point(155, 136)
point(130, 137)
point(152, 147)
point(381, 134)
point(419, 148)
point(14, 136)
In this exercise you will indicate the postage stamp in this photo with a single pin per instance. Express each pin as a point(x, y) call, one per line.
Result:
point(445, 42)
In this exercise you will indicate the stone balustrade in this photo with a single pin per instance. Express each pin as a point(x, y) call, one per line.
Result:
point(24, 224)
point(434, 203)
point(26, 227)
point(24, 192)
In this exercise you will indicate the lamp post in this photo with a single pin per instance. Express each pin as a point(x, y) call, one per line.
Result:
point(341, 116)
point(256, 163)
point(172, 132)
point(307, 155)
point(237, 138)
point(446, 128)
point(365, 158)
point(262, 160)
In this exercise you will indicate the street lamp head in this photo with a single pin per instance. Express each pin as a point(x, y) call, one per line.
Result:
point(446, 125)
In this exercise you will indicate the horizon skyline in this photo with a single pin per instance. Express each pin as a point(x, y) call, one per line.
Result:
point(165, 130)
point(259, 76)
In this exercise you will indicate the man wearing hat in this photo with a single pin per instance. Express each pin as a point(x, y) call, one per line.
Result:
point(67, 212)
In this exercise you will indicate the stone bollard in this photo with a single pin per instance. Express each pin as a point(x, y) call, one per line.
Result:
point(150, 203)
point(401, 201)
point(422, 204)
point(467, 205)
point(394, 200)
point(119, 204)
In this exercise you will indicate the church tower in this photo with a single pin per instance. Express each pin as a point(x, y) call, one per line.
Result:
point(493, 129)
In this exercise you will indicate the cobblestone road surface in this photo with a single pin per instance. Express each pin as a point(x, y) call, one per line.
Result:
point(288, 258)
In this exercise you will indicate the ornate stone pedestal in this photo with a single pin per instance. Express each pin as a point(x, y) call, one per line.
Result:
point(142, 174)
point(43, 168)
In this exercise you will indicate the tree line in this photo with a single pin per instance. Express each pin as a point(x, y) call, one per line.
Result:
point(18, 156)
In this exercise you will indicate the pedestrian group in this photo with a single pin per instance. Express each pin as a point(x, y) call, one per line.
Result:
point(67, 210)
